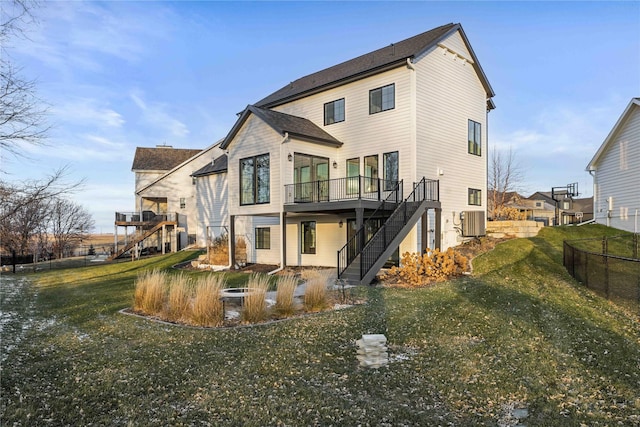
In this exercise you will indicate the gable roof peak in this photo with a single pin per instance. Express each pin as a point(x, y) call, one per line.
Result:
point(391, 56)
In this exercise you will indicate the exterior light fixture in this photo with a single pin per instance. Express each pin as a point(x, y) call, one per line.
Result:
point(340, 224)
point(335, 164)
point(290, 157)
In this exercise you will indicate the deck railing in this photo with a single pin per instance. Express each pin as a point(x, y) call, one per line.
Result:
point(370, 250)
point(148, 217)
point(339, 189)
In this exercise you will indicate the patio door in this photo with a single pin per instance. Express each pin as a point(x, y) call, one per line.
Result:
point(371, 226)
point(311, 178)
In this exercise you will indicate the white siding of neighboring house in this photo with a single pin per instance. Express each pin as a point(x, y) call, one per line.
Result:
point(178, 184)
point(143, 179)
point(448, 94)
point(618, 176)
point(211, 204)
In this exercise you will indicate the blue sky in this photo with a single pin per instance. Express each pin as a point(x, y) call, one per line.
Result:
point(118, 75)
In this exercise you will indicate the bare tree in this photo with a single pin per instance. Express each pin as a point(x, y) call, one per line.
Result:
point(22, 113)
point(69, 224)
point(505, 176)
point(14, 197)
point(27, 221)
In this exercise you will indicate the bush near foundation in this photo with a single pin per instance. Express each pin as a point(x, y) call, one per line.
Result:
point(433, 266)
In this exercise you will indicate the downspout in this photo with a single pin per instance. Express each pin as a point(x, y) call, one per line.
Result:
point(595, 201)
point(282, 174)
point(410, 65)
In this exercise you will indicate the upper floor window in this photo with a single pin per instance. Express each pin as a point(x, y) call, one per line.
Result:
point(334, 112)
point(382, 99)
point(475, 197)
point(475, 138)
point(254, 180)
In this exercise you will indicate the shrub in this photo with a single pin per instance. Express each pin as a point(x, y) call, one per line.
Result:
point(286, 287)
point(315, 294)
point(219, 251)
point(255, 305)
point(207, 307)
point(434, 265)
point(149, 292)
point(179, 299)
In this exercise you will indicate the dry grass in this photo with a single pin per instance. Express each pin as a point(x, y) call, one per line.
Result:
point(207, 307)
point(286, 287)
point(315, 295)
point(255, 305)
point(179, 299)
point(150, 291)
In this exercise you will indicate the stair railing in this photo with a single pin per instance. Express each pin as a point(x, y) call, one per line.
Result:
point(357, 241)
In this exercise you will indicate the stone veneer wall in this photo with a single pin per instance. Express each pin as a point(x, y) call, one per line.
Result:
point(500, 229)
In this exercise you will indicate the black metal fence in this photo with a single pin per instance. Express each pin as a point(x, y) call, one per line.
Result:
point(597, 264)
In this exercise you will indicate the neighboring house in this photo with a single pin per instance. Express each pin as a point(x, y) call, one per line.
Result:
point(568, 210)
point(616, 173)
point(166, 213)
point(354, 164)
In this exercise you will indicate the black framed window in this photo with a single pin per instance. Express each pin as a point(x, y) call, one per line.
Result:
point(183, 203)
point(390, 170)
point(475, 138)
point(308, 237)
point(475, 197)
point(254, 180)
point(263, 238)
point(334, 112)
point(382, 99)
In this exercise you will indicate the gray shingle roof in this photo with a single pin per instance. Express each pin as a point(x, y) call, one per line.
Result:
point(160, 158)
point(282, 123)
point(219, 165)
point(374, 62)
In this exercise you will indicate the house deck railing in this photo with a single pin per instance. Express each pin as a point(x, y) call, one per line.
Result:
point(147, 217)
point(339, 189)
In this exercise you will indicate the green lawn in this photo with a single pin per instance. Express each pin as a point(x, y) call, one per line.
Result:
point(519, 333)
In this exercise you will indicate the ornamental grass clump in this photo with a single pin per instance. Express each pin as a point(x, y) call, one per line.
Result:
point(178, 299)
point(255, 304)
point(149, 294)
point(207, 307)
point(315, 294)
point(285, 305)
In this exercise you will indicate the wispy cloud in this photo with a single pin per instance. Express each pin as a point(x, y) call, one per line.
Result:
point(157, 115)
point(87, 112)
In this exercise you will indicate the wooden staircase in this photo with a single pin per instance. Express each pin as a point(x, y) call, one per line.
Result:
point(141, 237)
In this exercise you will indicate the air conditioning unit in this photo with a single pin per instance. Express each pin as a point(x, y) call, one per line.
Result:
point(473, 224)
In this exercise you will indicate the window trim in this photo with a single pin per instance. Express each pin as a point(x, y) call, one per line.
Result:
point(474, 147)
point(266, 242)
point(476, 193)
point(382, 108)
point(255, 180)
point(333, 103)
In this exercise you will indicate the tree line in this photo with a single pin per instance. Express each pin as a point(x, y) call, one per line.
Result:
point(36, 216)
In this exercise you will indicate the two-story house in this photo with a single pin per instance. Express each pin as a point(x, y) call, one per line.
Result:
point(319, 155)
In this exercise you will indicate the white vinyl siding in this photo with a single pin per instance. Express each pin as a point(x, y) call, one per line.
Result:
point(255, 138)
point(211, 203)
point(448, 95)
point(618, 176)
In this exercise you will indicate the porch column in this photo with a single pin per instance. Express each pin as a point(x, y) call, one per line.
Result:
point(164, 238)
point(359, 222)
point(438, 228)
point(283, 232)
point(232, 240)
point(424, 239)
